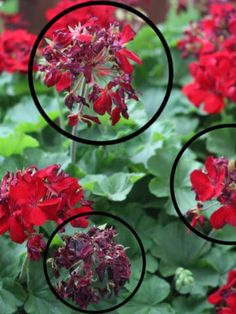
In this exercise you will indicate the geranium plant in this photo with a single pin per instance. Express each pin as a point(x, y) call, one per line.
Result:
point(184, 273)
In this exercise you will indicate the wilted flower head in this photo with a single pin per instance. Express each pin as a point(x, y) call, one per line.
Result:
point(93, 66)
point(97, 266)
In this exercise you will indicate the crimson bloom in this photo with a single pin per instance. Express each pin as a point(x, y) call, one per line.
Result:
point(212, 41)
point(224, 299)
point(217, 181)
point(226, 214)
point(105, 14)
point(209, 183)
point(15, 48)
point(31, 197)
point(215, 80)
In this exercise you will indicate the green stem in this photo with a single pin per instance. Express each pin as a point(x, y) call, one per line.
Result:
point(24, 269)
point(202, 248)
point(206, 208)
point(75, 128)
point(60, 107)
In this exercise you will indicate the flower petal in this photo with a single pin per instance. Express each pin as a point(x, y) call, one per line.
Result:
point(201, 185)
point(213, 103)
point(115, 115)
point(34, 215)
point(100, 105)
point(123, 62)
point(81, 221)
point(194, 93)
point(17, 231)
point(64, 82)
point(4, 225)
point(127, 34)
point(131, 55)
point(218, 218)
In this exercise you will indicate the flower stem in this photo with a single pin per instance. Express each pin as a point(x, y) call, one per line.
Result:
point(24, 269)
point(61, 116)
point(206, 208)
point(74, 130)
point(202, 248)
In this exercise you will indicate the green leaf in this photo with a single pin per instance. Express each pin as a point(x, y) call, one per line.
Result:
point(12, 296)
point(115, 187)
point(175, 245)
point(132, 307)
point(191, 305)
point(152, 263)
point(204, 274)
point(160, 165)
point(222, 142)
point(153, 291)
point(147, 300)
point(16, 143)
point(25, 117)
point(41, 300)
point(10, 6)
point(10, 260)
point(43, 159)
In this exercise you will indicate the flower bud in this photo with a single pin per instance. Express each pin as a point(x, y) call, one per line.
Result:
point(183, 280)
point(35, 246)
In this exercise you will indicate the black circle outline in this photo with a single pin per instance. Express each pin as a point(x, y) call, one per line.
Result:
point(172, 187)
point(127, 137)
point(99, 213)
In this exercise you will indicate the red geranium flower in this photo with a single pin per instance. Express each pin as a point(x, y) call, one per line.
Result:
point(15, 48)
point(226, 214)
point(105, 14)
point(215, 80)
point(224, 299)
point(31, 197)
point(213, 42)
point(209, 183)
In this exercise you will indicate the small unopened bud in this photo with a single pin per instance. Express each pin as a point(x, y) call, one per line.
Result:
point(183, 280)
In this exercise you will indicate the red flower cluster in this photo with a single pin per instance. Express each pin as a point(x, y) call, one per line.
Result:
point(31, 197)
point(213, 42)
point(216, 181)
point(94, 58)
point(15, 47)
point(104, 14)
point(224, 299)
point(97, 266)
